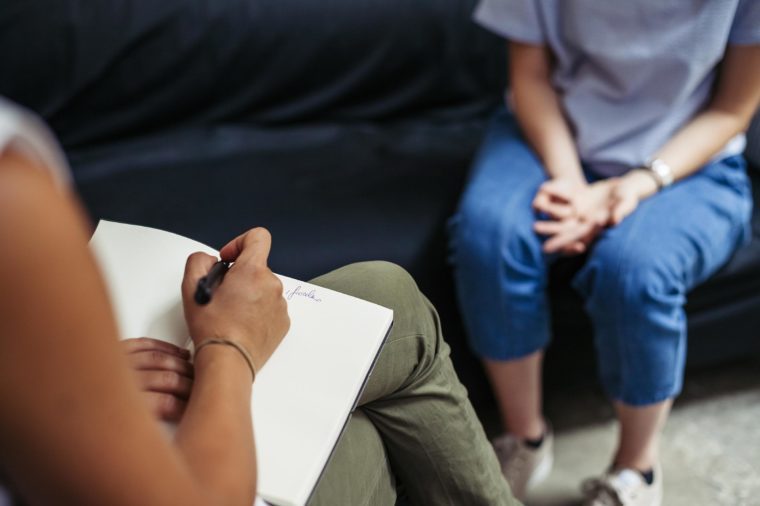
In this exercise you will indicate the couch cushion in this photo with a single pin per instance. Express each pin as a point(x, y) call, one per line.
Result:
point(330, 193)
point(102, 70)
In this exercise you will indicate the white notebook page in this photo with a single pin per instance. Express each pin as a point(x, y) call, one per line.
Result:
point(305, 392)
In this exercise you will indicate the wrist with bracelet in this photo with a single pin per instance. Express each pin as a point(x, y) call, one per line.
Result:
point(233, 344)
point(660, 171)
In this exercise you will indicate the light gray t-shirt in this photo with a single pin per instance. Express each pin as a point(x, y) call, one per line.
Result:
point(629, 73)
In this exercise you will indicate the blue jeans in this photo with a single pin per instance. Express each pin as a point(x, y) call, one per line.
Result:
point(634, 281)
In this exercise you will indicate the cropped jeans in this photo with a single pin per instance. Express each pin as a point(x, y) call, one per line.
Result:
point(634, 281)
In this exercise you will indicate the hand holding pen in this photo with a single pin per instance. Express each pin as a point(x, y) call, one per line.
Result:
point(245, 302)
point(208, 283)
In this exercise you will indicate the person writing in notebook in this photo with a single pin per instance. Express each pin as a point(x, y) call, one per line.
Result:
point(76, 429)
point(73, 428)
point(624, 143)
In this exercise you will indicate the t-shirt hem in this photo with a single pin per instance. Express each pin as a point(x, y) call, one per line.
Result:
point(744, 38)
point(502, 27)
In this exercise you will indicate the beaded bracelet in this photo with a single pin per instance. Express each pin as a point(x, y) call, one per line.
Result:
point(237, 346)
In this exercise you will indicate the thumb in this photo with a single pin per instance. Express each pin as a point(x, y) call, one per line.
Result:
point(622, 208)
point(558, 189)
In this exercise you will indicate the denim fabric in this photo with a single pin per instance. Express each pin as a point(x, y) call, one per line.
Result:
point(634, 281)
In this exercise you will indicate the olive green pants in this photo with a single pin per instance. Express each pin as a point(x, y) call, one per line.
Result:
point(414, 422)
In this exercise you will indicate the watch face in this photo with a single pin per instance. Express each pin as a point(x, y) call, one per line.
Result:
point(663, 171)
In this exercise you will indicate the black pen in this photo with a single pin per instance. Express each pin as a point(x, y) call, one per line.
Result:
point(208, 283)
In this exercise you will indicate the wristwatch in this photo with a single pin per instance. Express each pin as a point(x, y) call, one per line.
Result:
point(661, 172)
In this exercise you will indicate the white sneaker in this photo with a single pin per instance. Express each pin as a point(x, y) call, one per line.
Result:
point(623, 487)
point(522, 466)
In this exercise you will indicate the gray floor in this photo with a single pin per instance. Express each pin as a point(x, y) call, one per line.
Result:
point(710, 447)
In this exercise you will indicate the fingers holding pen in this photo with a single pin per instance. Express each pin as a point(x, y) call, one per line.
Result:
point(247, 306)
point(252, 246)
point(197, 265)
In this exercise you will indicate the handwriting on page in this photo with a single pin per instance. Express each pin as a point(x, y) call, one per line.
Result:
point(300, 291)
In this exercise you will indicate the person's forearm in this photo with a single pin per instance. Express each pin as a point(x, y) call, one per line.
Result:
point(700, 140)
point(78, 431)
point(539, 113)
point(735, 100)
point(690, 149)
point(222, 386)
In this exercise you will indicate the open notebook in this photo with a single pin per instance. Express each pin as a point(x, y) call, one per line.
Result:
point(305, 393)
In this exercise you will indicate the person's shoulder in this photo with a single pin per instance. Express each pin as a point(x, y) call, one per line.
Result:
point(515, 20)
point(9, 122)
point(22, 131)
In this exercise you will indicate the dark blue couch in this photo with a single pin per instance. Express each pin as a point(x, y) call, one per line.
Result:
point(346, 127)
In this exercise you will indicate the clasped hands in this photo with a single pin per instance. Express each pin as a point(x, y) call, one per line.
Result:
point(573, 212)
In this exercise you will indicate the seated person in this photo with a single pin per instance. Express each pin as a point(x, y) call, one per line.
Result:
point(74, 428)
point(623, 143)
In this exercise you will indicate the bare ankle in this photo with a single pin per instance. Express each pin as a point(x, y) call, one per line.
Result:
point(527, 429)
point(643, 462)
